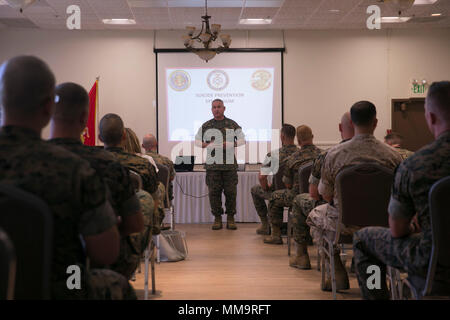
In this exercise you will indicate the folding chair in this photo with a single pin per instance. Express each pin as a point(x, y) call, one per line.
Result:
point(434, 286)
point(149, 252)
point(279, 185)
point(303, 174)
point(7, 267)
point(29, 224)
point(164, 178)
point(363, 194)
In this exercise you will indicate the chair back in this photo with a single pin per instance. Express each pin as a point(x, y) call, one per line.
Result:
point(440, 224)
point(163, 177)
point(278, 178)
point(363, 193)
point(136, 180)
point(7, 267)
point(303, 175)
point(29, 224)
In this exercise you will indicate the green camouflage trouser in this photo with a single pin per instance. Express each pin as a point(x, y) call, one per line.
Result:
point(301, 207)
point(259, 199)
point(376, 246)
point(106, 284)
point(96, 284)
point(133, 245)
point(279, 199)
point(219, 181)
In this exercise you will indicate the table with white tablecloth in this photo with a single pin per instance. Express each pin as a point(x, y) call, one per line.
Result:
point(191, 201)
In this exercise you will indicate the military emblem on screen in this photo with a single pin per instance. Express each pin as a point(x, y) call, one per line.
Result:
point(179, 80)
point(261, 80)
point(217, 80)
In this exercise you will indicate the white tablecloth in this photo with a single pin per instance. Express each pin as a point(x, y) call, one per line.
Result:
point(190, 209)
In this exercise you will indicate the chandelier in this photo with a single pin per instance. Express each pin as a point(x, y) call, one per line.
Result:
point(207, 35)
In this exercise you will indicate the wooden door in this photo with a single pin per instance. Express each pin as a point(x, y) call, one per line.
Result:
point(408, 119)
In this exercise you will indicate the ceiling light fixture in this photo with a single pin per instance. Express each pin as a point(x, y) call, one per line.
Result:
point(119, 21)
point(423, 2)
point(436, 14)
point(394, 19)
point(207, 35)
point(255, 21)
point(19, 4)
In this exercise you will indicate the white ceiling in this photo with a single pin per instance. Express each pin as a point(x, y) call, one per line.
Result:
point(176, 14)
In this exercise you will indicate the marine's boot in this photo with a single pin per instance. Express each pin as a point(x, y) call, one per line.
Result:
point(265, 227)
point(230, 222)
point(342, 282)
point(275, 237)
point(217, 223)
point(301, 260)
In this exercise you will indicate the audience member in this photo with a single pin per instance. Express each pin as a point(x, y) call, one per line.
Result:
point(362, 148)
point(305, 202)
point(74, 192)
point(277, 160)
point(395, 140)
point(283, 198)
point(67, 123)
point(404, 246)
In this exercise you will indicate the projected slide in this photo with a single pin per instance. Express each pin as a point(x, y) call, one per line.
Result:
point(248, 95)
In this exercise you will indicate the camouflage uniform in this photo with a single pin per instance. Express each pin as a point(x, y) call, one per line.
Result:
point(363, 148)
point(141, 166)
point(76, 196)
point(222, 176)
point(258, 194)
point(404, 153)
point(283, 198)
point(160, 159)
point(412, 183)
point(304, 203)
point(122, 195)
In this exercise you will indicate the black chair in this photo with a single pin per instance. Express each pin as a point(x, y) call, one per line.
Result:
point(363, 193)
point(136, 180)
point(28, 222)
point(164, 178)
point(7, 267)
point(303, 175)
point(435, 285)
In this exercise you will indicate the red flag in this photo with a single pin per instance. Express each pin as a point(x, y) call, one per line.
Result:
point(90, 132)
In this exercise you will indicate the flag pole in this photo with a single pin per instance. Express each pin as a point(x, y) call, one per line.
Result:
point(96, 111)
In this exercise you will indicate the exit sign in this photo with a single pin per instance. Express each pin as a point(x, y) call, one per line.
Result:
point(418, 88)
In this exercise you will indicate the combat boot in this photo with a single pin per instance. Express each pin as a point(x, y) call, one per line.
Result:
point(217, 223)
point(265, 227)
point(275, 237)
point(342, 282)
point(230, 222)
point(301, 260)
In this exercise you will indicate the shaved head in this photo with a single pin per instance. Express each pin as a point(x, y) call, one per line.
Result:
point(149, 142)
point(73, 102)
point(26, 85)
point(438, 99)
point(111, 129)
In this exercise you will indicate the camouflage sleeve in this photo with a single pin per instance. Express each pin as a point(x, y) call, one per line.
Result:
point(401, 204)
point(288, 176)
point(129, 203)
point(315, 176)
point(199, 135)
point(149, 180)
point(326, 183)
point(239, 133)
point(97, 213)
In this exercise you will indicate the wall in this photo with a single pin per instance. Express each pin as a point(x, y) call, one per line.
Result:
point(325, 71)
